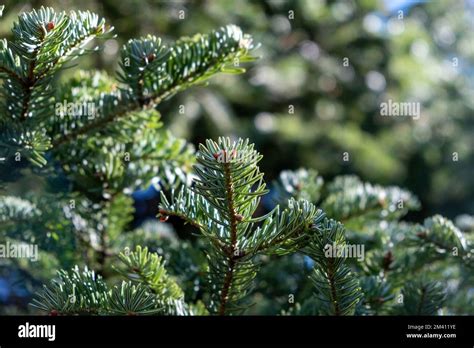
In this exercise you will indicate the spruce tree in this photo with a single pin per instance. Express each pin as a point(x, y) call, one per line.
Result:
point(91, 140)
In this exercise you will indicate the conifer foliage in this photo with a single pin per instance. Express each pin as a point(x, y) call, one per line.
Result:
point(92, 140)
point(221, 204)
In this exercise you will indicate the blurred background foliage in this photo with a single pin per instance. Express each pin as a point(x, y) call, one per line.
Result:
point(303, 107)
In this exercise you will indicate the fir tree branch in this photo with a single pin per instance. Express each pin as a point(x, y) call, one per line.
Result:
point(226, 193)
point(288, 231)
point(233, 239)
point(8, 64)
point(85, 293)
point(349, 200)
point(164, 214)
point(147, 269)
point(421, 297)
point(441, 233)
point(43, 41)
point(184, 205)
point(207, 55)
point(30, 80)
point(337, 287)
point(125, 107)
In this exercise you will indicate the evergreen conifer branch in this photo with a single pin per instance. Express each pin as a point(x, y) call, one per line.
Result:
point(155, 73)
point(75, 292)
point(442, 234)
point(288, 231)
point(149, 290)
point(129, 299)
point(377, 296)
point(147, 269)
point(421, 297)
point(141, 60)
point(43, 41)
point(347, 198)
point(336, 286)
point(9, 65)
point(221, 204)
point(350, 199)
